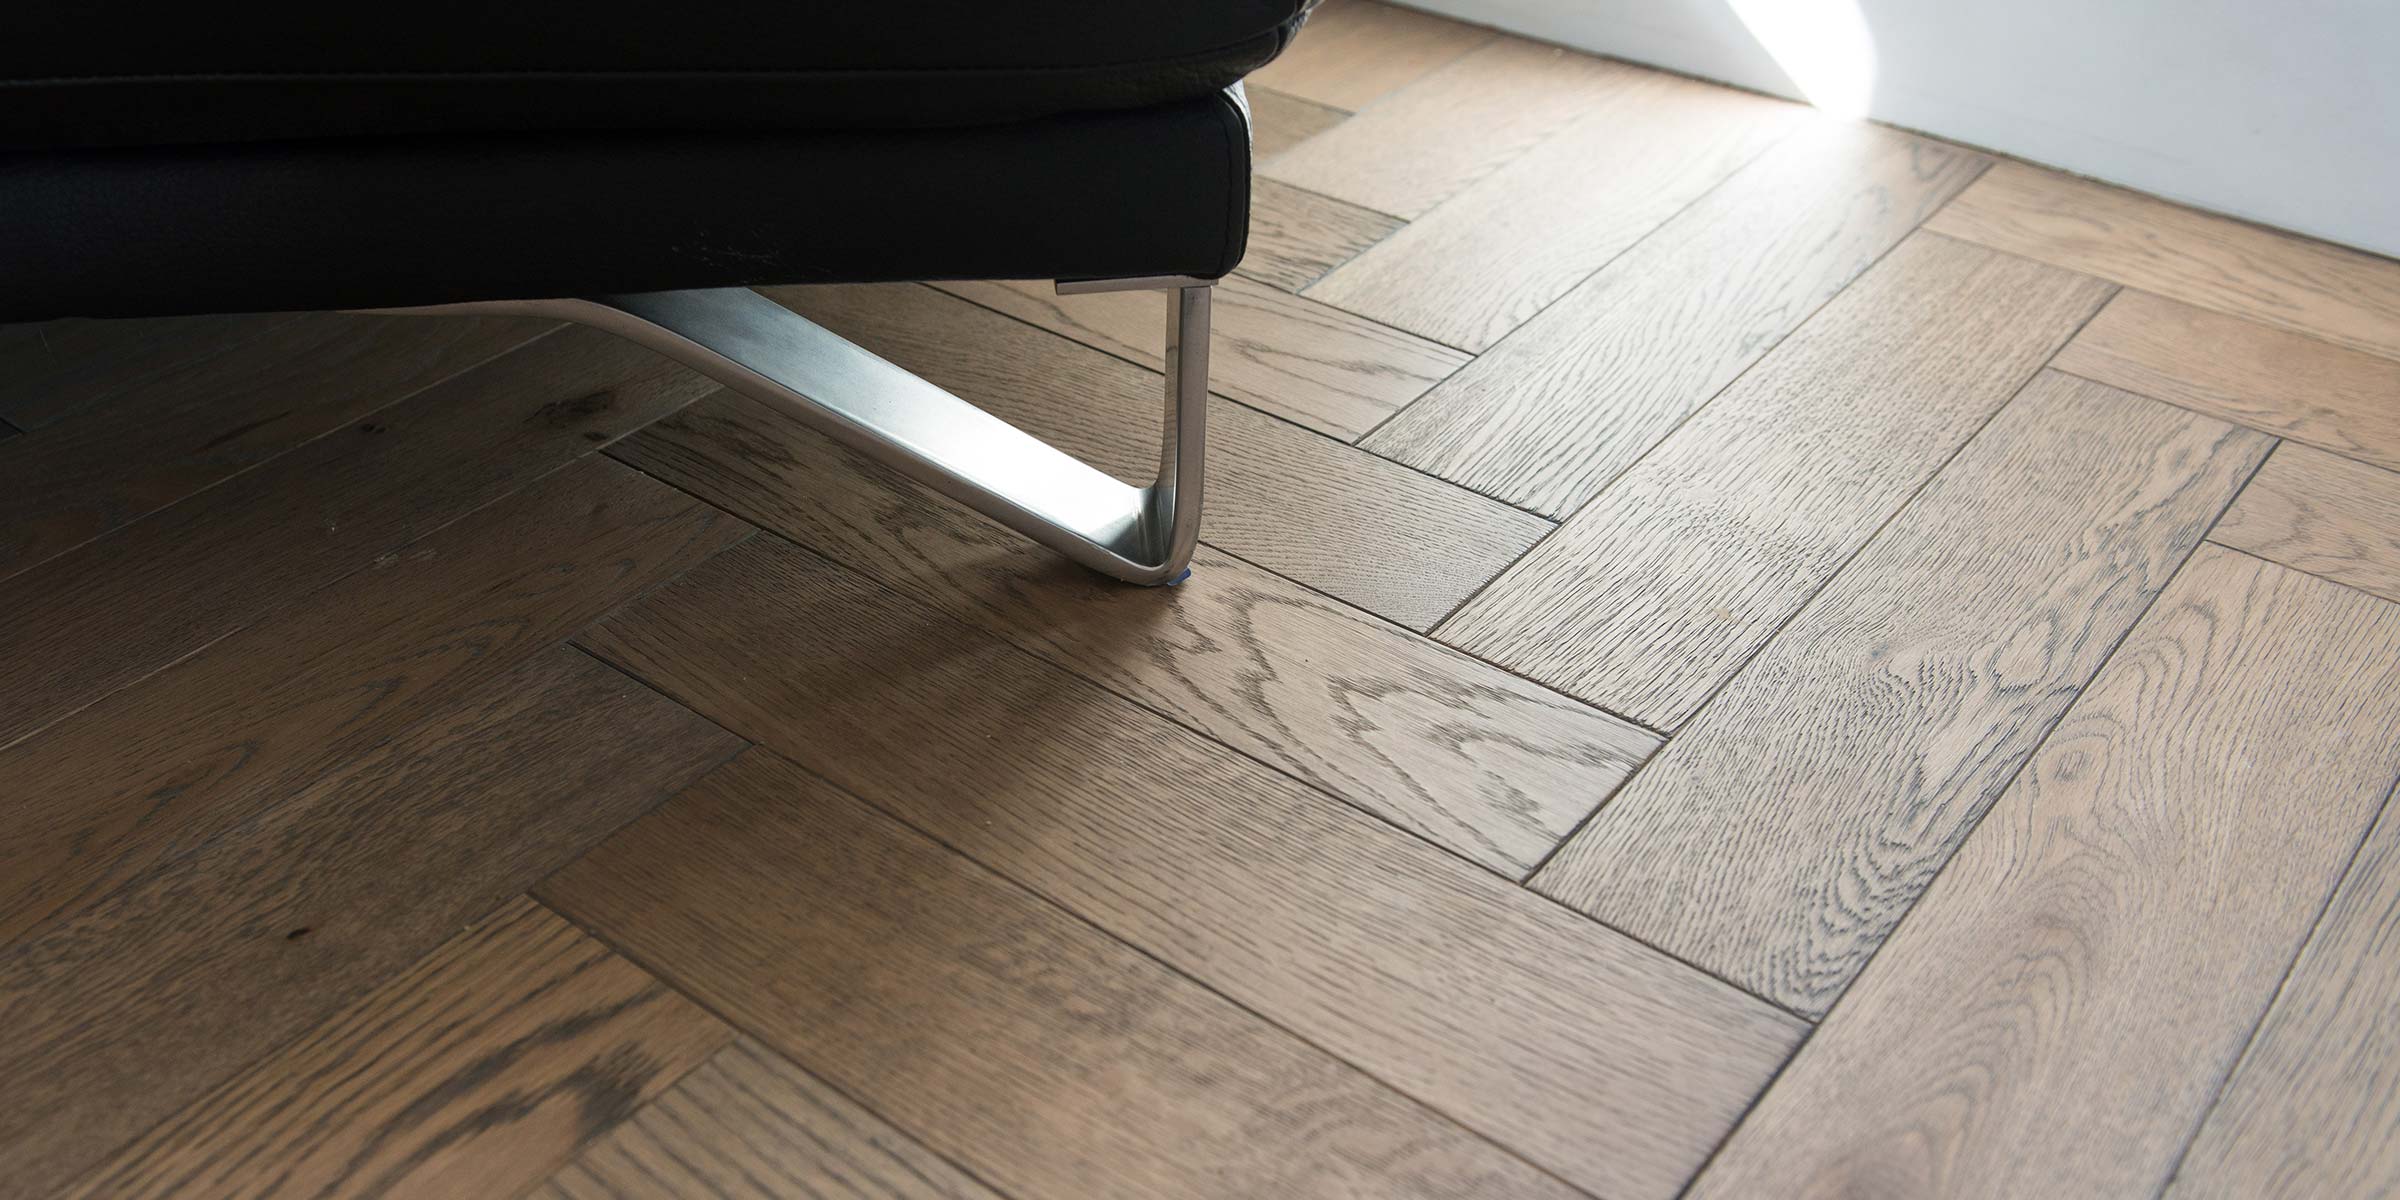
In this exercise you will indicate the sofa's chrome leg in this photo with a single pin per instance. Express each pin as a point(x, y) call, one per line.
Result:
point(742, 339)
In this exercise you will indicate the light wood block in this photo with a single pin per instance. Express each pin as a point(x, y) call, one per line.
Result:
point(1577, 394)
point(1296, 236)
point(2054, 1017)
point(2216, 263)
point(1658, 589)
point(1787, 829)
point(1352, 53)
point(1004, 1034)
point(51, 369)
point(1279, 122)
point(2323, 514)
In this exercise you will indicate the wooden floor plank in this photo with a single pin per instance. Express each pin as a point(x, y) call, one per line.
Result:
point(1006, 1035)
point(185, 429)
point(1297, 503)
point(1297, 235)
point(2052, 1019)
point(1577, 394)
point(1501, 251)
point(2214, 262)
point(1590, 1054)
point(2314, 1108)
point(1279, 122)
point(51, 369)
point(143, 1001)
point(2284, 383)
point(1297, 359)
point(1466, 755)
point(1659, 588)
point(2323, 514)
point(475, 1073)
point(1432, 140)
point(112, 611)
point(748, 1125)
point(1787, 829)
point(1352, 53)
point(157, 769)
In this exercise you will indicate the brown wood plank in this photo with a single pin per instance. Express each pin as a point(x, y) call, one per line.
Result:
point(112, 611)
point(1296, 235)
point(113, 1019)
point(2323, 514)
point(1366, 530)
point(2312, 1110)
point(2284, 383)
point(155, 770)
point(474, 1073)
point(1462, 753)
point(1279, 122)
point(1432, 140)
point(185, 429)
point(50, 369)
point(2245, 270)
point(1659, 588)
point(2053, 1017)
point(1320, 367)
point(1596, 1057)
point(1787, 829)
point(748, 1125)
point(1006, 1035)
point(1577, 394)
point(1503, 250)
point(1354, 52)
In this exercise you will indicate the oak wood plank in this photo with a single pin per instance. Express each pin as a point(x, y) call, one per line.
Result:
point(1590, 1054)
point(1787, 829)
point(2323, 514)
point(113, 1019)
point(1366, 530)
point(2314, 1107)
point(1276, 352)
point(1011, 1038)
point(2293, 386)
point(1660, 587)
point(152, 771)
point(183, 430)
point(112, 611)
point(2053, 1017)
point(50, 369)
point(1462, 753)
point(1501, 251)
point(1352, 53)
point(1580, 392)
point(1432, 140)
point(1297, 235)
point(1279, 122)
point(2214, 262)
point(474, 1073)
point(748, 1125)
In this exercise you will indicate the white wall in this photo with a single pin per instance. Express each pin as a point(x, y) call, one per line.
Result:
point(2281, 111)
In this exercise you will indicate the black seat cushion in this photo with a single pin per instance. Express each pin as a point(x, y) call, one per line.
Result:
point(82, 73)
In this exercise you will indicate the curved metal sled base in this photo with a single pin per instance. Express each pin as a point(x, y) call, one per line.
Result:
point(758, 347)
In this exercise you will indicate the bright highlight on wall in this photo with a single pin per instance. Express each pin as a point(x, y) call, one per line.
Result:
point(1824, 45)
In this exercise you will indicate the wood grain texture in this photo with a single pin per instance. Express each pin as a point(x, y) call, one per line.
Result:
point(1352, 53)
point(1302, 505)
point(1590, 1054)
point(1788, 828)
point(2053, 1017)
point(2323, 514)
point(474, 1073)
point(50, 369)
point(1006, 1035)
point(1485, 262)
point(1577, 394)
point(2317, 288)
point(1659, 588)
point(156, 770)
point(1432, 140)
point(185, 429)
point(1276, 352)
point(114, 1018)
point(1297, 235)
point(1464, 754)
point(2292, 386)
point(112, 611)
point(1279, 122)
point(748, 1125)
point(2314, 1108)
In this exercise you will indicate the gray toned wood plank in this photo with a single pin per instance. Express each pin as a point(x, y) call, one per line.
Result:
point(2323, 514)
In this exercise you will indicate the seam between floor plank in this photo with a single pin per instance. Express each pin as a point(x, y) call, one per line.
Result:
point(2210, 539)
